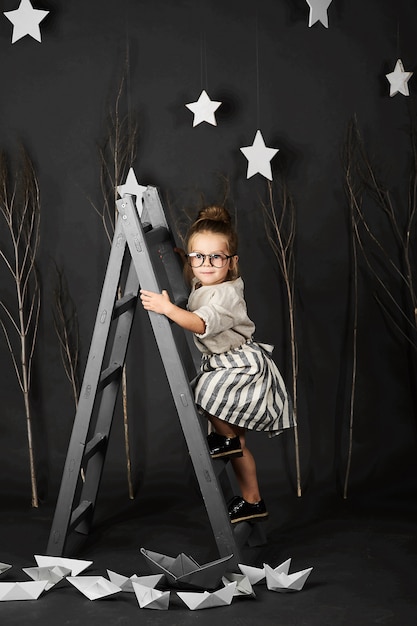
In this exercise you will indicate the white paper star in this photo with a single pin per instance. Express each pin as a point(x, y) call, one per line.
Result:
point(259, 157)
point(132, 187)
point(26, 21)
point(204, 109)
point(318, 12)
point(398, 80)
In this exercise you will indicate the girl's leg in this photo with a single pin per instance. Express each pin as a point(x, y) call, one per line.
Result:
point(244, 466)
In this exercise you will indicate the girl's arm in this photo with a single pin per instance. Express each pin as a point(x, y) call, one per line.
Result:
point(160, 303)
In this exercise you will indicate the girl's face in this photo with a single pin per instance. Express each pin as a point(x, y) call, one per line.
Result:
point(210, 243)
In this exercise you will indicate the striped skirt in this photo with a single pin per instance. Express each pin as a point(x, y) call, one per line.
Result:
point(244, 387)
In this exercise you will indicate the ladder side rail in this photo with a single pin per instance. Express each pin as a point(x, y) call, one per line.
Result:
point(72, 466)
point(95, 465)
point(180, 387)
point(153, 211)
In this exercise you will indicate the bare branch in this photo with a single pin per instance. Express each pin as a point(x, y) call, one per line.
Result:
point(66, 328)
point(390, 265)
point(20, 208)
point(280, 227)
point(117, 155)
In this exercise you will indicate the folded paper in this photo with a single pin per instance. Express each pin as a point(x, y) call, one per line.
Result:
point(283, 568)
point(206, 600)
point(4, 567)
point(22, 591)
point(184, 572)
point(53, 574)
point(94, 587)
point(125, 583)
point(243, 586)
point(283, 582)
point(150, 598)
point(75, 565)
point(255, 574)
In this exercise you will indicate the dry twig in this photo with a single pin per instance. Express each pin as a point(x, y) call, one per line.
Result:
point(117, 155)
point(66, 328)
point(391, 264)
point(20, 209)
point(280, 225)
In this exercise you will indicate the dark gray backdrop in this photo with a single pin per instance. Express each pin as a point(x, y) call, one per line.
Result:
point(300, 86)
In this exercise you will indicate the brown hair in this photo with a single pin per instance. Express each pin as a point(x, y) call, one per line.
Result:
point(216, 219)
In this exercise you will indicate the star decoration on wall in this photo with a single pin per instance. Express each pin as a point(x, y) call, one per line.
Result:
point(398, 80)
point(133, 188)
point(26, 21)
point(318, 12)
point(259, 157)
point(204, 109)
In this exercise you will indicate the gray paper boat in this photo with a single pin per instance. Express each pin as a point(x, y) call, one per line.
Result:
point(184, 572)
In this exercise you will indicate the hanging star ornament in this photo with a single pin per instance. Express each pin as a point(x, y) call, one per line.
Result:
point(133, 188)
point(26, 21)
point(318, 12)
point(398, 80)
point(259, 157)
point(204, 109)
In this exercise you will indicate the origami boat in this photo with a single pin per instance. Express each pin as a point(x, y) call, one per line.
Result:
point(4, 567)
point(184, 572)
point(283, 582)
point(151, 598)
point(207, 600)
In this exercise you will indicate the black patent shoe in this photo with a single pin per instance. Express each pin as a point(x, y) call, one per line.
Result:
point(242, 511)
point(223, 447)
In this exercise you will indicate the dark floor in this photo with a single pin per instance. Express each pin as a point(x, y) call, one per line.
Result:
point(364, 563)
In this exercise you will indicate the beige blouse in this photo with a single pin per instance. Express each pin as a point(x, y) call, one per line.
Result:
point(223, 309)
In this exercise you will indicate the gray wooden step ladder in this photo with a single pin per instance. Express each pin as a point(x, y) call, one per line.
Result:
point(142, 256)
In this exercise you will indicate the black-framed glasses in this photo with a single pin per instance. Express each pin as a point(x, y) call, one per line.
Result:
point(217, 259)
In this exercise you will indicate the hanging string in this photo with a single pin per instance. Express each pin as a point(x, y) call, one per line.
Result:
point(203, 62)
point(127, 69)
point(398, 39)
point(258, 106)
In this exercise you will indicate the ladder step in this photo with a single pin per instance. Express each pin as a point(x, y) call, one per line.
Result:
point(219, 465)
point(157, 235)
point(80, 513)
point(93, 446)
point(127, 302)
point(251, 533)
point(108, 375)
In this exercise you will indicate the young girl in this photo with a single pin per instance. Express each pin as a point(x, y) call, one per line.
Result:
point(239, 386)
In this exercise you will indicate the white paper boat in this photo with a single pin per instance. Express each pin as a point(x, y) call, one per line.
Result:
point(22, 591)
point(150, 598)
point(205, 600)
point(125, 583)
point(283, 582)
point(94, 587)
point(75, 565)
point(255, 574)
point(283, 568)
point(4, 567)
point(243, 586)
point(52, 574)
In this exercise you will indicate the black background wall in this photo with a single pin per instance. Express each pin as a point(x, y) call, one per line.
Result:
point(300, 86)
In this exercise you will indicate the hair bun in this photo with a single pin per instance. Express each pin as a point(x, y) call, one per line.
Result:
point(215, 213)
